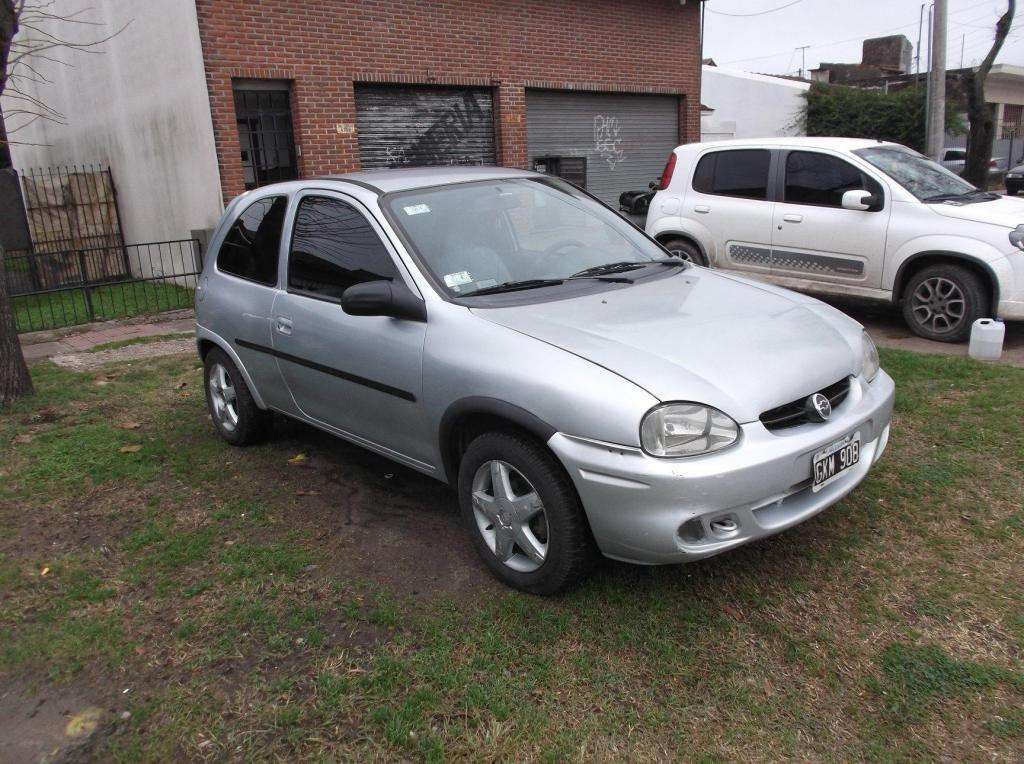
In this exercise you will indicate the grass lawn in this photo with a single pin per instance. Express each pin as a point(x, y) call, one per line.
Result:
point(306, 599)
point(132, 298)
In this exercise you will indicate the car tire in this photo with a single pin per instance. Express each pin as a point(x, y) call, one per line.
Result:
point(232, 408)
point(941, 302)
point(685, 249)
point(569, 551)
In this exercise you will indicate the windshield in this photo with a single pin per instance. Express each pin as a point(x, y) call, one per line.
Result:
point(921, 176)
point(528, 232)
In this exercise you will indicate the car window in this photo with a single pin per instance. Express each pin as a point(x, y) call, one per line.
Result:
point(333, 247)
point(741, 172)
point(921, 176)
point(821, 179)
point(955, 154)
point(250, 249)
point(478, 235)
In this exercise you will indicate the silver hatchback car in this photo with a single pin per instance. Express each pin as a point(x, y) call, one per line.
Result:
point(506, 333)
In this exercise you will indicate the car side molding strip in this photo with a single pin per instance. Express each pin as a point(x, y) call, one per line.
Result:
point(405, 395)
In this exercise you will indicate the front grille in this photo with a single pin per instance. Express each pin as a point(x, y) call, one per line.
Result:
point(792, 414)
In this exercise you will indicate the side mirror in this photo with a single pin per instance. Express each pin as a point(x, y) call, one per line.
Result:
point(859, 199)
point(383, 298)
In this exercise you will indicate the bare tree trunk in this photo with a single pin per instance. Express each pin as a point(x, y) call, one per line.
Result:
point(980, 114)
point(14, 377)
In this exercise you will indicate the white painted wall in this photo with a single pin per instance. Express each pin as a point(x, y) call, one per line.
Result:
point(141, 106)
point(749, 105)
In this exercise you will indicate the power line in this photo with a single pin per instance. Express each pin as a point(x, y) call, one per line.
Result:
point(849, 39)
point(757, 13)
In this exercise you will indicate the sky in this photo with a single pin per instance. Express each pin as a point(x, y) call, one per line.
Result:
point(834, 30)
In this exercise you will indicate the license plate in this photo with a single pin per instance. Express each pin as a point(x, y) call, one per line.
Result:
point(832, 461)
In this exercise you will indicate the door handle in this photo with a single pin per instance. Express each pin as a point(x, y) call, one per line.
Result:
point(791, 218)
point(703, 209)
point(282, 325)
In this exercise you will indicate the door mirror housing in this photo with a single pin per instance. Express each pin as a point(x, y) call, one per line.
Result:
point(859, 199)
point(383, 298)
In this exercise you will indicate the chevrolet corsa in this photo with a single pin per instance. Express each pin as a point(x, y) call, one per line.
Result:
point(506, 333)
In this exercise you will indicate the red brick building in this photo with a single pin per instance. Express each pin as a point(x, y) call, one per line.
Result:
point(598, 91)
point(197, 100)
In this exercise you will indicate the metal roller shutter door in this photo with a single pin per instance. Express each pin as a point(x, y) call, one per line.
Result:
point(626, 139)
point(408, 126)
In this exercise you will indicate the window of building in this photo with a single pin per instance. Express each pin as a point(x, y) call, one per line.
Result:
point(742, 173)
point(250, 249)
point(821, 179)
point(264, 116)
point(572, 169)
point(333, 247)
point(1013, 121)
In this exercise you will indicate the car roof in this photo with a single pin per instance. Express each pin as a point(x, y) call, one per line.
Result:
point(840, 144)
point(403, 179)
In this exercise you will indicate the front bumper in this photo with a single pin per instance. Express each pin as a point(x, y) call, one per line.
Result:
point(655, 511)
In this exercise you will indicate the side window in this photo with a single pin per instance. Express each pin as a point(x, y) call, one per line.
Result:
point(741, 172)
point(334, 247)
point(820, 179)
point(250, 249)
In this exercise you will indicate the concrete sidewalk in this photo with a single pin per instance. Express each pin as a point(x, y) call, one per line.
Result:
point(38, 346)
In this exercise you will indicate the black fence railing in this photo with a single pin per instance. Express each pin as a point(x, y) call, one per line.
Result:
point(54, 289)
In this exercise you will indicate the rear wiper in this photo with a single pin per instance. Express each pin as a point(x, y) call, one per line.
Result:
point(513, 286)
point(625, 265)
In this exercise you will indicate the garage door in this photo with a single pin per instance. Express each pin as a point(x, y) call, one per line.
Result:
point(618, 142)
point(408, 126)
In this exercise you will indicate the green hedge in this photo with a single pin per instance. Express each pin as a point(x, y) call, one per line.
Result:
point(899, 115)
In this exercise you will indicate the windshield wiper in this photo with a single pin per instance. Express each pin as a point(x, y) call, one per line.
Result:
point(624, 266)
point(513, 286)
point(965, 195)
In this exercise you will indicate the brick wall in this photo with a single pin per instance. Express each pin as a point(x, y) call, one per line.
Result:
point(323, 46)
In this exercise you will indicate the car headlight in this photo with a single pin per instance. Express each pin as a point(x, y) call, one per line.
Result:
point(870, 365)
point(686, 429)
point(1017, 237)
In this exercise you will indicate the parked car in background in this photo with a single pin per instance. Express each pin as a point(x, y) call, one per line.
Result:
point(847, 217)
point(505, 332)
point(955, 160)
point(1015, 180)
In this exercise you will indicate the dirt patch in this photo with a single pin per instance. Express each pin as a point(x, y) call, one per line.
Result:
point(49, 724)
point(377, 520)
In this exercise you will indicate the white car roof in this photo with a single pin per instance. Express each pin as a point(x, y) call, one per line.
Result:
point(838, 144)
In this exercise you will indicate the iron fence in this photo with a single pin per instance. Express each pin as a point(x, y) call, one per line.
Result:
point(75, 286)
point(71, 207)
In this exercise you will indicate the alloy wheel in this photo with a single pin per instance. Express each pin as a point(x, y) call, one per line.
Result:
point(223, 397)
point(938, 304)
point(510, 515)
point(684, 254)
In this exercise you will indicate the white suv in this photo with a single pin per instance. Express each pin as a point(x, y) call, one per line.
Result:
point(847, 217)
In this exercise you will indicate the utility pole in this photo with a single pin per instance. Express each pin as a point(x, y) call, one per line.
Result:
point(963, 37)
point(936, 130)
point(803, 59)
point(917, 53)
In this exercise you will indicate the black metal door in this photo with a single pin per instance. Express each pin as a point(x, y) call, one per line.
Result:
point(265, 133)
point(403, 125)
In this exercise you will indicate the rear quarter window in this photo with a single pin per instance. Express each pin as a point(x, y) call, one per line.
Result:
point(253, 244)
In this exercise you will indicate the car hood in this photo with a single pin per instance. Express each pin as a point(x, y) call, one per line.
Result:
point(700, 336)
point(1005, 211)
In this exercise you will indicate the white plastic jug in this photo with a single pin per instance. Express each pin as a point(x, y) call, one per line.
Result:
point(986, 339)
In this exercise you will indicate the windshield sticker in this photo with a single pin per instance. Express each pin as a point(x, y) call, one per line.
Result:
point(457, 280)
point(416, 209)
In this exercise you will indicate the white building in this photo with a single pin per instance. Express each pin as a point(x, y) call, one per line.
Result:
point(745, 105)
